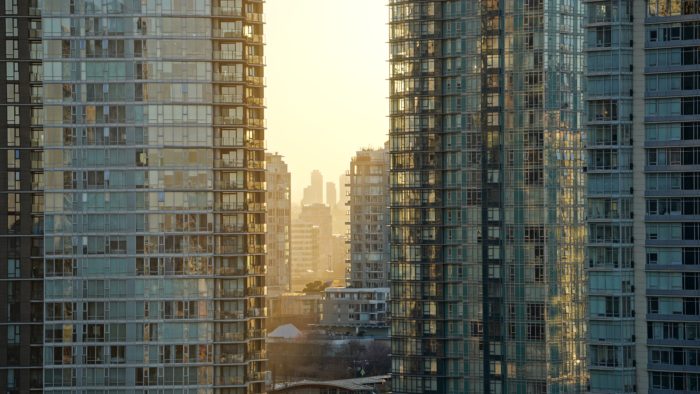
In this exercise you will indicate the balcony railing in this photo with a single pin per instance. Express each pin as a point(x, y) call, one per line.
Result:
point(228, 98)
point(231, 336)
point(256, 291)
point(228, 120)
point(228, 77)
point(226, 315)
point(230, 380)
point(226, 11)
point(218, 33)
point(254, 17)
point(227, 55)
point(228, 163)
point(255, 59)
point(231, 358)
point(254, 79)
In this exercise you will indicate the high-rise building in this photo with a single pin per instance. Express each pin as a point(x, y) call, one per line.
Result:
point(155, 196)
point(313, 194)
point(279, 224)
point(331, 198)
point(21, 199)
point(643, 197)
point(320, 215)
point(487, 218)
point(362, 305)
point(306, 258)
point(369, 219)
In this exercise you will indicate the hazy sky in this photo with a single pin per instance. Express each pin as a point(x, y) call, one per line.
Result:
point(326, 83)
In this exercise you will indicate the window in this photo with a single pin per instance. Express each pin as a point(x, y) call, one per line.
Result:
point(13, 268)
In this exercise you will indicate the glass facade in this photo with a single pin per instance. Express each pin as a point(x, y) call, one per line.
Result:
point(643, 195)
point(610, 190)
point(155, 196)
point(672, 194)
point(369, 219)
point(21, 198)
point(487, 216)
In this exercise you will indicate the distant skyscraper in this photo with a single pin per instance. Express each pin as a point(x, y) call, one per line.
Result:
point(21, 200)
point(331, 197)
point(279, 224)
point(487, 221)
point(306, 258)
point(643, 193)
point(313, 194)
point(320, 215)
point(155, 196)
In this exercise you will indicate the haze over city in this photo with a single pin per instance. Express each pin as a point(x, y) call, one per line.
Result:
point(531, 227)
point(326, 83)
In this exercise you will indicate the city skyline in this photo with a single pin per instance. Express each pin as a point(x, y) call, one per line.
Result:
point(451, 196)
point(352, 60)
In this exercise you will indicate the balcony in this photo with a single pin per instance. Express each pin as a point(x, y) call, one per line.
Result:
point(231, 358)
point(257, 355)
point(254, 79)
point(256, 312)
point(255, 101)
point(256, 291)
point(226, 11)
point(231, 336)
point(228, 315)
point(256, 334)
point(228, 163)
point(231, 293)
point(227, 55)
point(256, 376)
point(255, 59)
point(254, 17)
point(228, 99)
point(231, 206)
point(255, 228)
point(228, 120)
point(218, 33)
point(233, 271)
point(228, 77)
point(256, 186)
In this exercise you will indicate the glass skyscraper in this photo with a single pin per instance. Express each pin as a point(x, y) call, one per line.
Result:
point(21, 199)
point(487, 215)
point(155, 196)
point(643, 195)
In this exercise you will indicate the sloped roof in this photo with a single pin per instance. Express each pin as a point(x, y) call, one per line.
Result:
point(287, 331)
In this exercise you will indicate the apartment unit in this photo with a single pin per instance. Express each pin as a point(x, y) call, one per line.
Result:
point(21, 199)
point(487, 217)
point(154, 166)
point(279, 224)
point(643, 196)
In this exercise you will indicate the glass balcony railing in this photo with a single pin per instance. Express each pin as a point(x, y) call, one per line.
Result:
point(228, 98)
point(226, 11)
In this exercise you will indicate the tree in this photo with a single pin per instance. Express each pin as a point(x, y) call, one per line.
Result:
point(315, 287)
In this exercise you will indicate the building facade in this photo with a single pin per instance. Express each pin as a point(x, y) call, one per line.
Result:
point(643, 196)
point(21, 199)
point(313, 194)
point(306, 255)
point(279, 224)
point(369, 219)
point(154, 250)
point(320, 215)
point(487, 218)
